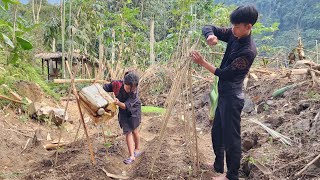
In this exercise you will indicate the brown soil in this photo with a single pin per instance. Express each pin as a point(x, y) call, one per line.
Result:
point(291, 114)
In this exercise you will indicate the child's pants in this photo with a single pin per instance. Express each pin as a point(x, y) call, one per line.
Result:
point(226, 135)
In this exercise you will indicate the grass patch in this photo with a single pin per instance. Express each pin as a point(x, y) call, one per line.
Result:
point(153, 109)
point(28, 72)
point(13, 175)
point(313, 95)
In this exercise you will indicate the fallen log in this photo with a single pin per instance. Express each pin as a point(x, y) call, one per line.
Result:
point(299, 71)
point(52, 146)
point(304, 62)
point(58, 81)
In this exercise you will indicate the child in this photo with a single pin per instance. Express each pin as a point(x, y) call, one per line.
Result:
point(237, 60)
point(127, 99)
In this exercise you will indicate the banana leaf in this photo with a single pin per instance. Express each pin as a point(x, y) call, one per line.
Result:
point(213, 99)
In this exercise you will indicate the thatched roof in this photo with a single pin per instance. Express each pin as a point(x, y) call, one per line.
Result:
point(57, 55)
point(53, 55)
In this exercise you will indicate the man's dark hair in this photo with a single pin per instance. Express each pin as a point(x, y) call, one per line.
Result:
point(244, 14)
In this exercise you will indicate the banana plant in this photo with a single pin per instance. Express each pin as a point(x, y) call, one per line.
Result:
point(11, 37)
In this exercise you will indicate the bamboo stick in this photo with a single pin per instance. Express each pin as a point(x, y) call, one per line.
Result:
point(13, 100)
point(309, 164)
point(89, 74)
point(65, 112)
point(82, 119)
point(52, 146)
point(152, 41)
point(14, 94)
point(196, 162)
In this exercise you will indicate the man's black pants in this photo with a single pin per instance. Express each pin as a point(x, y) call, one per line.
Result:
point(226, 135)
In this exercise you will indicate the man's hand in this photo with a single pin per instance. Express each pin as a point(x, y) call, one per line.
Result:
point(197, 58)
point(212, 40)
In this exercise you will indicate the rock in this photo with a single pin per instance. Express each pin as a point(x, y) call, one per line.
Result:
point(44, 112)
point(249, 105)
point(270, 102)
point(30, 90)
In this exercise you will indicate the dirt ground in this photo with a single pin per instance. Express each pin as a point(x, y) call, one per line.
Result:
point(293, 114)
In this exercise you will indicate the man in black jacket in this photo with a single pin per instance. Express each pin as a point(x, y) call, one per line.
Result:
point(237, 60)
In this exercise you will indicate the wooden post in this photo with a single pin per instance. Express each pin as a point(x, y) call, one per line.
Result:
point(81, 117)
point(65, 113)
point(56, 75)
point(82, 68)
point(42, 65)
point(113, 49)
point(152, 56)
point(317, 50)
point(196, 163)
point(48, 69)
point(89, 74)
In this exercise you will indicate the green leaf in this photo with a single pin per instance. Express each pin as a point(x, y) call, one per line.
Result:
point(6, 24)
point(2, 8)
point(7, 40)
point(24, 28)
point(15, 58)
point(7, 2)
point(25, 44)
point(189, 17)
point(11, 1)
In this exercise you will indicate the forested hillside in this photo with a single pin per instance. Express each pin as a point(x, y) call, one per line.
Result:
point(130, 89)
point(294, 16)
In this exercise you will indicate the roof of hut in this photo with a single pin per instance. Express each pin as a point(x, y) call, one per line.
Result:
point(56, 55)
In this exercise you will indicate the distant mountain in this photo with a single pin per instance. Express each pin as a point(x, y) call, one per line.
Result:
point(295, 17)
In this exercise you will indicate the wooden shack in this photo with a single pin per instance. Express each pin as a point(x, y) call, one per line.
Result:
point(53, 62)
